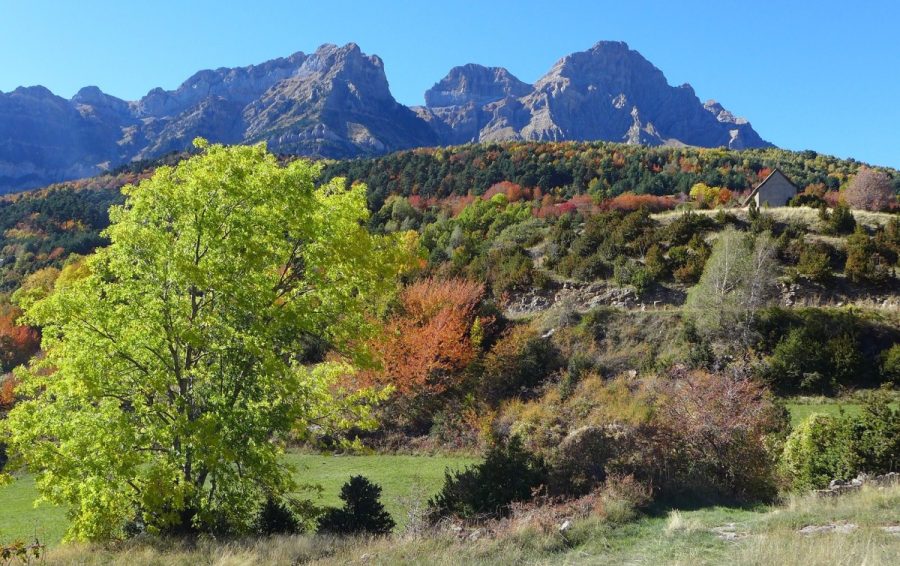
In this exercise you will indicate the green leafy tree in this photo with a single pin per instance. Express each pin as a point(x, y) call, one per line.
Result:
point(175, 365)
point(738, 280)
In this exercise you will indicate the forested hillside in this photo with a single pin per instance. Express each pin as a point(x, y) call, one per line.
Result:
point(606, 324)
point(41, 228)
point(599, 169)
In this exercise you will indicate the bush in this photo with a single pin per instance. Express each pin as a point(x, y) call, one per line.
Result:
point(623, 496)
point(635, 275)
point(806, 199)
point(688, 261)
point(276, 518)
point(589, 268)
point(890, 364)
point(509, 473)
point(798, 363)
point(839, 221)
point(656, 264)
point(819, 350)
point(864, 262)
point(519, 361)
point(362, 513)
point(762, 222)
point(876, 435)
point(808, 361)
point(825, 448)
point(578, 464)
point(815, 263)
point(511, 270)
point(816, 452)
point(687, 226)
point(710, 438)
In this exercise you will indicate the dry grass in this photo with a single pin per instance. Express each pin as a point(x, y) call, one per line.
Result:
point(768, 536)
point(785, 214)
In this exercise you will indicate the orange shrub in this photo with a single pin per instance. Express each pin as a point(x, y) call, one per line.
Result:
point(512, 191)
point(7, 391)
point(430, 339)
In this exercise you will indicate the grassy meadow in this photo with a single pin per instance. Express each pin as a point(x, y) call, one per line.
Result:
point(406, 481)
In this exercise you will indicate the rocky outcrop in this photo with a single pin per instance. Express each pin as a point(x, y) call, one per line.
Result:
point(336, 103)
point(841, 487)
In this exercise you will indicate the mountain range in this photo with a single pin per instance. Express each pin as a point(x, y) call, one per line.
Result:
point(336, 103)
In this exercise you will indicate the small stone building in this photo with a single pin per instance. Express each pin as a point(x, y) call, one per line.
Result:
point(775, 190)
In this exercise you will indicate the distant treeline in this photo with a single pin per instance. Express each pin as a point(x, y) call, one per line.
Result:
point(601, 169)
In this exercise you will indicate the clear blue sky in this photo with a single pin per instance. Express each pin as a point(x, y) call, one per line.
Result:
point(809, 75)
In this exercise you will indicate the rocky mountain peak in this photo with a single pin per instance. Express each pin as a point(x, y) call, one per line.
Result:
point(476, 84)
point(609, 65)
point(89, 95)
point(36, 91)
point(347, 64)
point(240, 85)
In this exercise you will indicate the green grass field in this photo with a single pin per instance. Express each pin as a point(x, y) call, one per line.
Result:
point(802, 407)
point(799, 411)
point(405, 481)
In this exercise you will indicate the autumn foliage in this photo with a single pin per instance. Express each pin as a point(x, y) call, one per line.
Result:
point(512, 191)
point(715, 427)
point(7, 391)
point(17, 343)
point(578, 204)
point(629, 202)
point(870, 190)
point(433, 335)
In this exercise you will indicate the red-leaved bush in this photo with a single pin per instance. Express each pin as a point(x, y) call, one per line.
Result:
point(629, 202)
point(579, 204)
point(871, 190)
point(17, 343)
point(7, 391)
point(713, 431)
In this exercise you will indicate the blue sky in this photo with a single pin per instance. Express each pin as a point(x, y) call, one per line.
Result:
point(809, 75)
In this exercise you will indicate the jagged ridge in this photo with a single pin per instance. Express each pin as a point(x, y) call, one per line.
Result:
point(337, 103)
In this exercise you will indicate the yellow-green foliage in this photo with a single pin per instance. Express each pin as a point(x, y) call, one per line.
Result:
point(169, 382)
point(816, 452)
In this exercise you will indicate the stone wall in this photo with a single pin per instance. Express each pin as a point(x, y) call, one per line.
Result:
point(838, 487)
